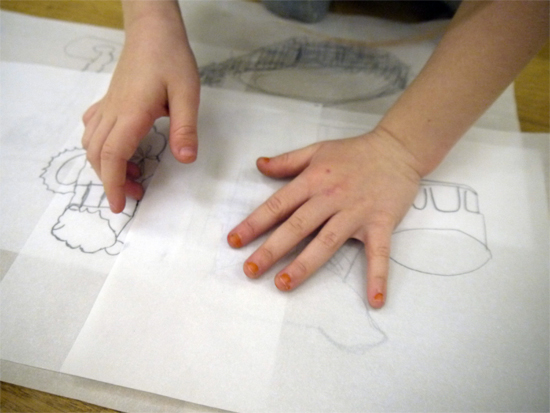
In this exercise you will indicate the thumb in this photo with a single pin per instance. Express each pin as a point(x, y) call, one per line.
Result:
point(288, 164)
point(184, 106)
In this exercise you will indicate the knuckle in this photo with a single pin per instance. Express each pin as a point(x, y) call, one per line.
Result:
point(185, 131)
point(250, 227)
point(267, 253)
point(300, 269)
point(275, 206)
point(379, 251)
point(384, 220)
point(284, 158)
point(329, 239)
point(380, 278)
point(108, 153)
point(297, 224)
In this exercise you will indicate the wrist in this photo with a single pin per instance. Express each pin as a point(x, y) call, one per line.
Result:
point(420, 154)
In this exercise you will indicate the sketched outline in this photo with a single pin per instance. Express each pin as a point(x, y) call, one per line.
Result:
point(426, 186)
point(51, 179)
point(303, 53)
point(108, 54)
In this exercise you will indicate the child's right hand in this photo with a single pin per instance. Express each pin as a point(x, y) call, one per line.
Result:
point(155, 76)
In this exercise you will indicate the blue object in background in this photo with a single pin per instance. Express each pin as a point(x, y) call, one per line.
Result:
point(308, 11)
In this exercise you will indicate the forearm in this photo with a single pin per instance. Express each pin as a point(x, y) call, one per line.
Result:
point(485, 47)
point(144, 9)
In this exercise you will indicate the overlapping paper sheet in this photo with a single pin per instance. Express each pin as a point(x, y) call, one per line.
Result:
point(177, 317)
point(190, 326)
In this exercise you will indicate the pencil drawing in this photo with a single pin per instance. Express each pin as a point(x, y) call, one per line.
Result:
point(97, 54)
point(87, 223)
point(444, 232)
point(326, 72)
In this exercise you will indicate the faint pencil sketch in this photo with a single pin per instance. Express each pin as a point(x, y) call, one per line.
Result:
point(352, 328)
point(97, 54)
point(326, 72)
point(338, 284)
point(87, 223)
point(444, 232)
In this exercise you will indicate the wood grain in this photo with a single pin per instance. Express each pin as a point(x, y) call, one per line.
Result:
point(100, 13)
point(531, 89)
point(21, 399)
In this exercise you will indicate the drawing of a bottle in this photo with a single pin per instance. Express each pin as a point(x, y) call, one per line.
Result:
point(443, 233)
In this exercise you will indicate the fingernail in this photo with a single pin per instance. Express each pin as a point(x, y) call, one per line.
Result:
point(187, 152)
point(379, 297)
point(264, 159)
point(252, 268)
point(235, 240)
point(284, 281)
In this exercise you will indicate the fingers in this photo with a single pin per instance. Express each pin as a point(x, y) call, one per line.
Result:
point(118, 148)
point(91, 121)
point(302, 223)
point(277, 208)
point(109, 143)
point(90, 112)
point(377, 250)
point(331, 237)
point(184, 106)
point(288, 164)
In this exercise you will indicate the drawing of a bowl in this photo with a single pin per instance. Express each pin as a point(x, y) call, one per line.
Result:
point(326, 72)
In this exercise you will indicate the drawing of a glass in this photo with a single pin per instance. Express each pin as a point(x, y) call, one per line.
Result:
point(443, 233)
point(326, 72)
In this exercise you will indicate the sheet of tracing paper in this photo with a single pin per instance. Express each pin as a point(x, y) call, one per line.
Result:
point(49, 266)
point(174, 315)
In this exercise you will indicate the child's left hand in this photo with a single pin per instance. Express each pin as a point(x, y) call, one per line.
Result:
point(353, 188)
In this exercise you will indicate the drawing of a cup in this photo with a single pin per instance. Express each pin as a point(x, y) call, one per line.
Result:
point(443, 233)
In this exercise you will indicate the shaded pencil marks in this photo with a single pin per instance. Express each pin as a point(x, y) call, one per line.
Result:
point(87, 223)
point(326, 72)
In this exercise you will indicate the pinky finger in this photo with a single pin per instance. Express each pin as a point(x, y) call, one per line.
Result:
point(377, 250)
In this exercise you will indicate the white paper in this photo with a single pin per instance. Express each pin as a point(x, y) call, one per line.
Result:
point(35, 294)
point(58, 233)
point(177, 316)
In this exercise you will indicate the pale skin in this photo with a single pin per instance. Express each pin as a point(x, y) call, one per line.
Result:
point(359, 187)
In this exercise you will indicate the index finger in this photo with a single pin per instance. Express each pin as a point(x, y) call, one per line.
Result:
point(118, 148)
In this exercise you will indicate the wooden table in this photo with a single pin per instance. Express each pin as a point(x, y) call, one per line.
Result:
point(531, 89)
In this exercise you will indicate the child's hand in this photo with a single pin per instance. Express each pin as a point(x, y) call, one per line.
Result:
point(155, 76)
point(353, 188)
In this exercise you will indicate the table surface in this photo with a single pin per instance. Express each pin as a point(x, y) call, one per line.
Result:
point(531, 90)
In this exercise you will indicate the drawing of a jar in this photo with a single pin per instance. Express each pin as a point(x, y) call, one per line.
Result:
point(444, 232)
